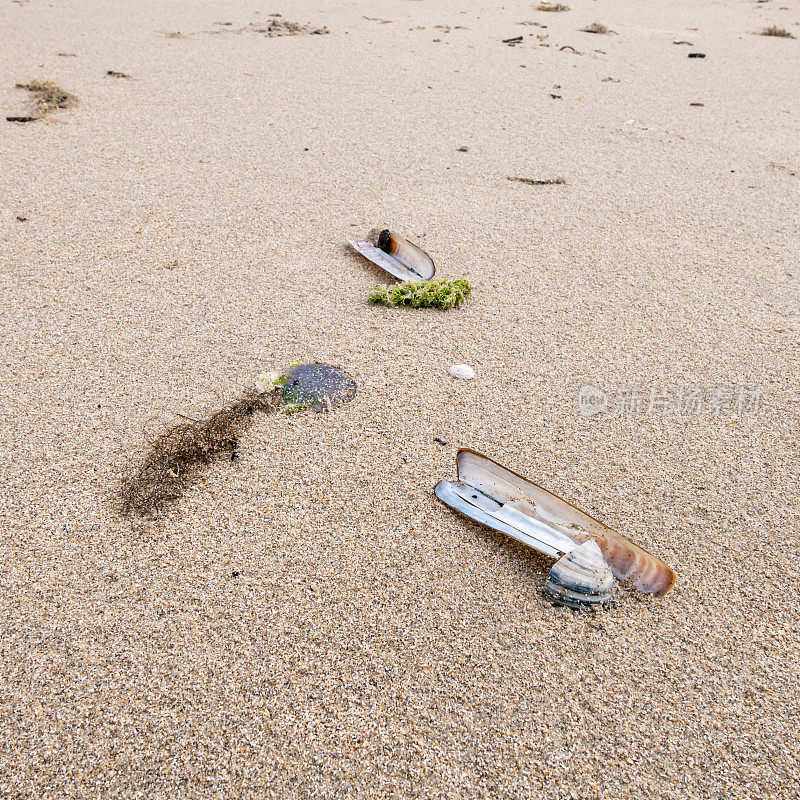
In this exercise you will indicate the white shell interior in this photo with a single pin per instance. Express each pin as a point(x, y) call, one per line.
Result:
point(397, 267)
point(504, 517)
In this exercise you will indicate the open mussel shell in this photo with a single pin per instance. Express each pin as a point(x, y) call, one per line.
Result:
point(494, 495)
point(317, 386)
point(581, 579)
point(398, 256)
point(627, 560)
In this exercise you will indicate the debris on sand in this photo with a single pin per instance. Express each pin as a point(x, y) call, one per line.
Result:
point(683, 41)
point(780, 167)
point(697, 55)
point(513, 40)
point(598, 27)
point(274, 27)
point(538, 181)
point(174, 458)
point(115, 74)
point(462, 149)
point(570, 47)
point(281, 27)
point(552, 7)
point(47, 97)
point(589, 554)
point(176, 454)
point(774, 30)
point(442, 293)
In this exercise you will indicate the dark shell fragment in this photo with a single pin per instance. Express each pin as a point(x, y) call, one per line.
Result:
point(317, 386)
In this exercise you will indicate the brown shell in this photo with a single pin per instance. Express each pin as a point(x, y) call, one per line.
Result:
point(407, 253)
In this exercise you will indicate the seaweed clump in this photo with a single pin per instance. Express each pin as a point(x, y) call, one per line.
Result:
point(552, 7)
point(597, 27)
point(175, 455)
point(774, 30)
point(48, 96)
point(280, 27)
point(440, 293)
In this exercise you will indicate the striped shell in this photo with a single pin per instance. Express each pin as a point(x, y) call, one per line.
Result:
point(581, 578)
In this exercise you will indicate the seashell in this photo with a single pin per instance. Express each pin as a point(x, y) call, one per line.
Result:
point(581, 578)
point(495, 496)
point(487, 510)
point(463, 371)
point(317, 386)
point(397, 256)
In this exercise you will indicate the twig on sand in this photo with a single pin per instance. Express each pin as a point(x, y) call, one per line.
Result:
point(539, 181)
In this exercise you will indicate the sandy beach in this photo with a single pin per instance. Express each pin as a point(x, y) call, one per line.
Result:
point(309, 621)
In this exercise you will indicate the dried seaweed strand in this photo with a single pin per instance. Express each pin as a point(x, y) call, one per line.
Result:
point(175, 455)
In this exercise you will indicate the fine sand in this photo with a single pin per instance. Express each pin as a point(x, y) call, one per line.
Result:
point(308, 621)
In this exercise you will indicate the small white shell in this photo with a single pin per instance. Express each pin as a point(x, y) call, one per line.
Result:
point(463, 371)
point(581, 578)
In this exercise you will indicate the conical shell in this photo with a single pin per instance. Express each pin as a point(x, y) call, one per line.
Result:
point(581, 578)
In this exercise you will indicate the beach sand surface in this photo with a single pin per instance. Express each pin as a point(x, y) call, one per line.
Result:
point(310, 621)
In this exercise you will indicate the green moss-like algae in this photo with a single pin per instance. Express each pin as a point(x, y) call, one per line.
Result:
point(441, 293)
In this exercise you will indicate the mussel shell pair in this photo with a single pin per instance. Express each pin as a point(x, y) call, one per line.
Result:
point(396, 255)
point(590, 554)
